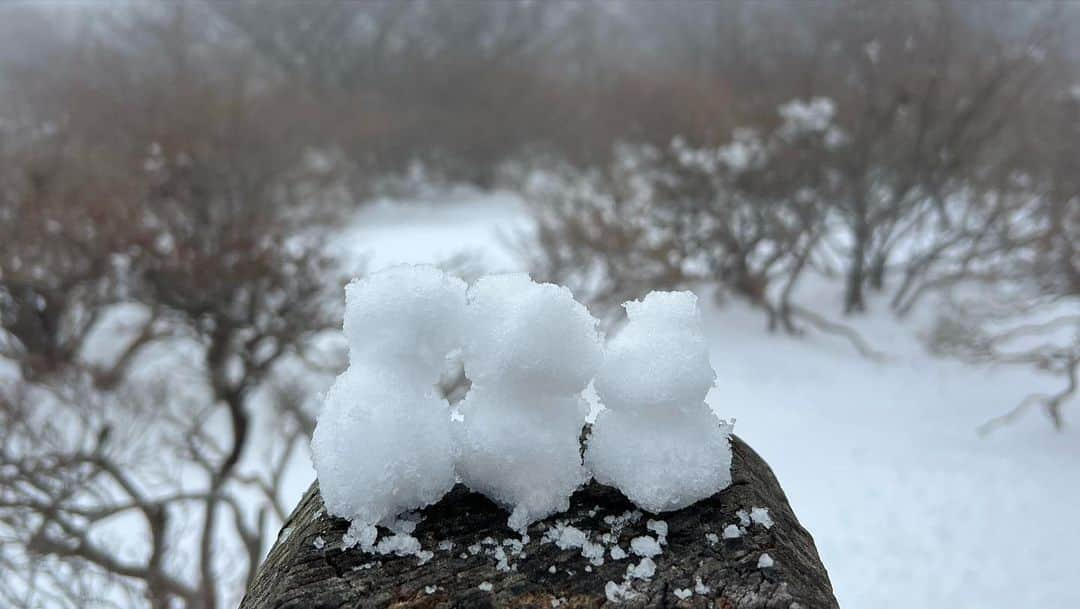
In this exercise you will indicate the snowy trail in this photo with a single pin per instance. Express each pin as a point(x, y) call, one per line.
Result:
point(909, 507)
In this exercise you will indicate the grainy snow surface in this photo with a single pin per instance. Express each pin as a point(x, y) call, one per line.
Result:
point(653, 384)
point(908, 506)
point(530, 349)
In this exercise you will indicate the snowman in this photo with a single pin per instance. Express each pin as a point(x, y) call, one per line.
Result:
point(530, 352)
point(383, 444)
point(657, 441)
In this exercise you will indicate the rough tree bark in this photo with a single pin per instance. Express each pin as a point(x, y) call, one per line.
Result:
point(307, 567)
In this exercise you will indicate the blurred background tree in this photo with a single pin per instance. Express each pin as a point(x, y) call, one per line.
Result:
point(170, 171)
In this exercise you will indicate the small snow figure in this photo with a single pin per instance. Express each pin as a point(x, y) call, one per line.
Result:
point(383, 444)
point(530, 351)
point(657, 441)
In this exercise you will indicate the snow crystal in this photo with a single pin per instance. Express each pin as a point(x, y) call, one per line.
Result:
point(712, 537)
point(765, 561)
point(617, 553)
point(401, 544)
point(485, 586)
point(700, 587)
point(445, 545)
point(530, 352)
point(653, 384)
point(565, 537)
point(515, 545)
point(761, 516)
point(643, 570)
point(683, 593)
point(359, 533)
point(618, 592)
point(617, 523)
point(659, 527)
point(732, 532)
point(406, 523)
point(744, 518)
point(645, 546)
point(430, 589)
point(593, 552)
point(400, 324)
point(501, 561)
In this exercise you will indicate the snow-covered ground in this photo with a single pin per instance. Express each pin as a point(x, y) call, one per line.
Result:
point(909, 506)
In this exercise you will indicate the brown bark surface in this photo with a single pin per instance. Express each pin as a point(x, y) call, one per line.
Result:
point(308, 568)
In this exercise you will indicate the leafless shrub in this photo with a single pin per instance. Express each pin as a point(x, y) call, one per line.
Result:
point(746, 218)
point(161, 274)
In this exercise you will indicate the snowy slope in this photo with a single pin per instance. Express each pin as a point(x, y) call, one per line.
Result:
point(909, 507)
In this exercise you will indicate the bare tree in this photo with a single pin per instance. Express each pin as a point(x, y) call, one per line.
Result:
point(161, 285)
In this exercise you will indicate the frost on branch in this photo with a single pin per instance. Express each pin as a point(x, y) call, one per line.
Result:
point(657, 441)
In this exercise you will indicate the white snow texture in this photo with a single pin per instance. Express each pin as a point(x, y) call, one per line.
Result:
point(387, 443)
point(383, 443)
point(530, 352)
point(657, 441)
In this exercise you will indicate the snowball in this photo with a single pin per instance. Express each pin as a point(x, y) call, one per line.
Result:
point(530, 335)
point(689, 456)
point(765, 561)
point(522, 453)
point(645, 546)
point(653, 383)
point(761, 516)
point(732, 532)
point(380, 448)
point(531, 350)
point(660, 360)
point(405, 317)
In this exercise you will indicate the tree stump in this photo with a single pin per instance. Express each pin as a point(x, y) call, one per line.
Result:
point(308, 568)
